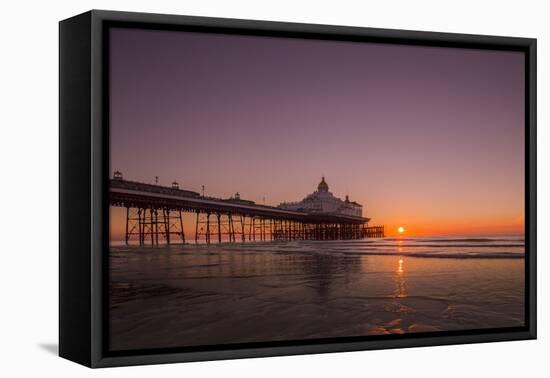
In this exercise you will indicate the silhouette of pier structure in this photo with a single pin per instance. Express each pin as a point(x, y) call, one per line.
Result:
point(155, 213)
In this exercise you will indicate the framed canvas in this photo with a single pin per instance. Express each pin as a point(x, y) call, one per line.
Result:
point(234, 188)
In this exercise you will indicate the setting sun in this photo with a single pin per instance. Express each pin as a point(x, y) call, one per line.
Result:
point(400, 230)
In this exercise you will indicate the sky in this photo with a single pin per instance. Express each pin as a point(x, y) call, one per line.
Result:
point(428, 138)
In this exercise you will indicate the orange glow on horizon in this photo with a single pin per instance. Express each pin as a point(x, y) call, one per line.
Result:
point(485, 227)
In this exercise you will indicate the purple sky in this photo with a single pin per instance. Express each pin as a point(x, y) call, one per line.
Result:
point(426, 137)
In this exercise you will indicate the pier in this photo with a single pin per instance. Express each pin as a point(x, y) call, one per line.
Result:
point(155, 214)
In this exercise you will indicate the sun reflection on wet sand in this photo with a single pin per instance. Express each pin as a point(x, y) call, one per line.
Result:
point(401, 286)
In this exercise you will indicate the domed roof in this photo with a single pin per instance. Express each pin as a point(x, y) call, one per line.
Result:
point(323, 186)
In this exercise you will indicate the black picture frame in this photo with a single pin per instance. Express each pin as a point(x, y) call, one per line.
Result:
point(83, 181)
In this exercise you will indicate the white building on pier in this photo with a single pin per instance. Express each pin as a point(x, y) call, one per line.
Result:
point(322, 201)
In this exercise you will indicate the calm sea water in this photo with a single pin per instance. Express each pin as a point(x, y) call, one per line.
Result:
point(188, 295)
point(450, 247)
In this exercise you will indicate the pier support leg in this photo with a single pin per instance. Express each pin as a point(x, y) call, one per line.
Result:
point(262, 228)
point(197, 229)
point(243, 218)
point(218, 215)
point(166, 219)
point(207, 228)
point(156, 223)
point(231, 229)
point(151, 226)
point(181, 227)
point(141, 226)
point(127, 221)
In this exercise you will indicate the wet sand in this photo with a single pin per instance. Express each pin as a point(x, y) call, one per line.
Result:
point(221, 294)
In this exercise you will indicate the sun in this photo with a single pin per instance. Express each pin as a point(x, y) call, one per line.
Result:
point(400, 229)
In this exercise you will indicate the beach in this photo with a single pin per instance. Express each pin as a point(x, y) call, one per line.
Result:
point(195, 295)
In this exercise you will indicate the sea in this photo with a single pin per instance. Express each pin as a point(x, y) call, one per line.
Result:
point(233, 293)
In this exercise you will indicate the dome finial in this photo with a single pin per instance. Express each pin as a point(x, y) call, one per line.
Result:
point(323, 186)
